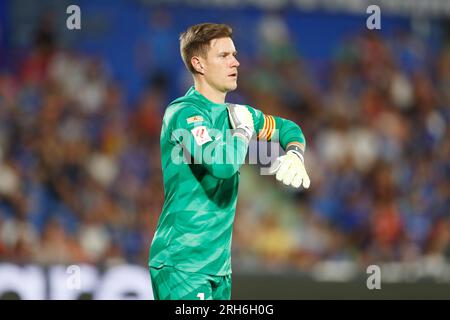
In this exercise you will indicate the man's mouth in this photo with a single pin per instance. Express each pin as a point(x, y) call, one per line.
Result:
point(233, 74)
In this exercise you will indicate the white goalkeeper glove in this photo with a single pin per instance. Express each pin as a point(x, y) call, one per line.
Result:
point(290, 168)
point(241, 121)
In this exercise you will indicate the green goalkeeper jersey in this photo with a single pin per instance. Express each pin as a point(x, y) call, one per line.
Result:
point(200, 163)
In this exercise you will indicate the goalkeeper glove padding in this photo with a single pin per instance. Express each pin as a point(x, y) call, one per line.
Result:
point(290, 168)
point(241, 121)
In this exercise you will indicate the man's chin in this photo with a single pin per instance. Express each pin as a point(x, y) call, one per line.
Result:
point(232, 87)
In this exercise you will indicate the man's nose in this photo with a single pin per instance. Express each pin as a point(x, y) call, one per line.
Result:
point(235, 62)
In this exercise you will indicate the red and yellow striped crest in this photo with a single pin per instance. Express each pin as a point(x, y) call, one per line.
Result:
point(268, 128)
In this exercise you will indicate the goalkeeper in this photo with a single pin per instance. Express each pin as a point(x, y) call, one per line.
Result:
point(190, 255)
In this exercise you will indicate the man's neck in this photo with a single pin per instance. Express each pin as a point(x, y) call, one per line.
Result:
point(209, 92)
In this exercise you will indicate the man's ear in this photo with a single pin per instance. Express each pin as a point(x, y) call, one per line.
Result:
point(197, 64)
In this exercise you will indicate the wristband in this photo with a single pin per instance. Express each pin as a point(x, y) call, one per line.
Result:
point(297, 150)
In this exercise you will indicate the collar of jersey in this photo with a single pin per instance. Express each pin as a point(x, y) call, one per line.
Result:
point(192, 91)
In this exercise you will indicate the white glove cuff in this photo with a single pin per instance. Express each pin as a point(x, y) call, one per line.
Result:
point(245, 132)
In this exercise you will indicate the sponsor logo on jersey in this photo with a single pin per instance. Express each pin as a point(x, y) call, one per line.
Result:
point(194, 119)
point(201, 135)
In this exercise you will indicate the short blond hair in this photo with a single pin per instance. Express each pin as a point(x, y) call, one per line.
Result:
point(196, 39)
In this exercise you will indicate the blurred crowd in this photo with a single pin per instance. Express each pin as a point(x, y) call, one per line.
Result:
point(378, 151)
point(80, 175)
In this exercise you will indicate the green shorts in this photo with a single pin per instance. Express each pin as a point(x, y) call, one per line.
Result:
point(169, 283)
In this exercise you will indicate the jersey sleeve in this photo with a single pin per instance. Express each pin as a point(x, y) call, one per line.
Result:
point(273, 128)
point(221, 155)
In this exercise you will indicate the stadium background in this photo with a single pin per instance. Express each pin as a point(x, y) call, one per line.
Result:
point(80, 116)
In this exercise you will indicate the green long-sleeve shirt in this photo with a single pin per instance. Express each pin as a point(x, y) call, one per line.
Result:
point(200, 163)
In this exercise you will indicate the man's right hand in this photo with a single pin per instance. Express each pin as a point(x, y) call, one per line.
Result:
point(241, 121)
